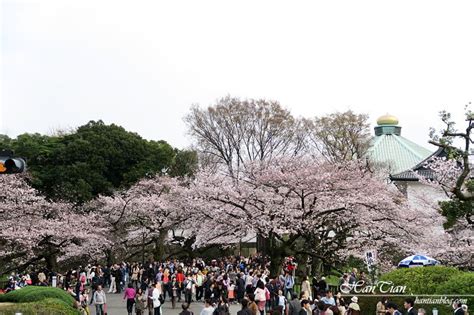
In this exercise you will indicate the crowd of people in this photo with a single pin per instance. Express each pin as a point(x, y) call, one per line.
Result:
point(217, 283)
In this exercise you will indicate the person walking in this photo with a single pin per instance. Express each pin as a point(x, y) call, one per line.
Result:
point(294, 306)
point(157, 299)
point(135, 274)
point(306, 287)
point(289, 284)
point(99, 301)
point(149, 294)
point(260, 297)
point(252, 305)
point(408, 304)
point(129, 295)
point(305, 308)
point(354, 308)
point(245, 310)
point(392, 309)
point(185, 311)
point(188, 286)
point(84, 299)
point(380, 307)
point(199, 286)
point(113, 283)
point(458, 308)
point(208, 309)
point(140, 302)
point(240, 288)
point(222, 307)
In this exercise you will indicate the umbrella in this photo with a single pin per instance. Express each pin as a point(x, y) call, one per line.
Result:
point(417, 260)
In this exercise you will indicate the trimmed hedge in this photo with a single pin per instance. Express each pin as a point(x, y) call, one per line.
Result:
point(42, 300)
point(44, 307)
point(436, 280)
point(421, 280)
point(459, 284)
point(34, 294)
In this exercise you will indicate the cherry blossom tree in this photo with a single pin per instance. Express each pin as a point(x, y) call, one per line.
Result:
point(303, 206)
point(455, 177)
point(453, 244)
point(142, 216)
point(34, 230)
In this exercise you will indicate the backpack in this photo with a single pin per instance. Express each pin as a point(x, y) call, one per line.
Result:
point(161, 299)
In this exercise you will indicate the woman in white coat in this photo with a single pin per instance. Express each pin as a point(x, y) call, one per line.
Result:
point(157, 299)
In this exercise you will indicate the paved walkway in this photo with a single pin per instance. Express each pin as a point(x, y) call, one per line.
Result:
point(117, 306)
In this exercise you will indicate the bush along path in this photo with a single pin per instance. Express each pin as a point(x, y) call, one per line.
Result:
point(38, 301)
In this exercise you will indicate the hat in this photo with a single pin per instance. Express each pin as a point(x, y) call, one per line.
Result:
point(354, 299)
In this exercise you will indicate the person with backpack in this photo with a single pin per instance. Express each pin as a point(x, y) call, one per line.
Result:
point(289, 284)
point(188, 286)
point(354, 308)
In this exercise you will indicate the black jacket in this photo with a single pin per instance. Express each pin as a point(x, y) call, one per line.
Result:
point(244, 311)
point(295, 307)
point(240, 285)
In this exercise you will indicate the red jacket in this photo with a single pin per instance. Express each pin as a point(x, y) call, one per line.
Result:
point(180, 277)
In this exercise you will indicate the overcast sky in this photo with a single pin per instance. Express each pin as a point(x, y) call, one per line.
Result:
point(142, 64)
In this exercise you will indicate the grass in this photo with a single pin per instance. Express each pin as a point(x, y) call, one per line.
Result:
point(38, 300)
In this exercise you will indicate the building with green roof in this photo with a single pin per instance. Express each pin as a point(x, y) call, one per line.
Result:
point(390, 149)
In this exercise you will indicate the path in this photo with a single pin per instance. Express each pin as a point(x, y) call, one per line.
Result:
point(116, 306)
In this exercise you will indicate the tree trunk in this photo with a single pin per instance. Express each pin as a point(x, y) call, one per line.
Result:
point(143, 248)
point(51, 262)
point(316, 266)
point(276, 251)
point(109, 257)
point(263, 244)
point(159, 251)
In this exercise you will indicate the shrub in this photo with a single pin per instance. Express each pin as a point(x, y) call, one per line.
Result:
point(43, 307)
point(35, 294)
point(436, 280)
point(462, 284)
point(39, 300)
point(421, 280)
